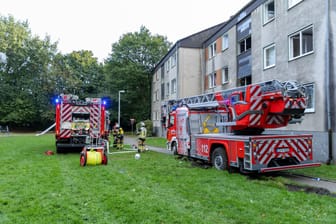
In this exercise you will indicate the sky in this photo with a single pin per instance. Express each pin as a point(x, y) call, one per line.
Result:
point(96, 24)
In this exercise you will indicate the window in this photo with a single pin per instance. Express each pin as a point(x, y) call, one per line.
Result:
point(225, 75)
point(292, 3)
point(310, 91)
point(301, 43)
point(162, 72)
point(173, 86)
point(168, 65)
point(245, 81)
point(173, 60)
point(156, 95)
point(225, 42)
point(167, 89)
point(162, 91)
point(212, 50)
point(269, 11)
point(244, 45)
point(269, 56)
point(212, 80)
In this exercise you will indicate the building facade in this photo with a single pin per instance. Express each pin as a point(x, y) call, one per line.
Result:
point(178, 75)
point(283, 40)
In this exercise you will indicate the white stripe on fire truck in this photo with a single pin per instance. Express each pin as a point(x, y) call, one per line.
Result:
point(274, 119)
point(94, 117)
point(256, 105)
point(300, 155)
point(266, 149)
point(78, 109)
point(300, 149)
point(66, 112)
point(65, 133)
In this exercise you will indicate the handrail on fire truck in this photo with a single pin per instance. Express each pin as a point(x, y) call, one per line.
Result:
point(208, 100)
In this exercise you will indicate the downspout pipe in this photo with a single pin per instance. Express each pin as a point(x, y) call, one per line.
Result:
point(327, 83)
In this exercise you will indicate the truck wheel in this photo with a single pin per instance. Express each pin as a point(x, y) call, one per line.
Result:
point(82, 159)
point(105, 158)
point(174, 148)
point(219, 159)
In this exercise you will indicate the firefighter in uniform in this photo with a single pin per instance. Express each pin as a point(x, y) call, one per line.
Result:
point(142, 133)
point(114, 133)
point(120, 138)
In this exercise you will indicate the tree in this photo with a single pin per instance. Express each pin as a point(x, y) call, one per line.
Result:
point(78, 73)
point(129, 67)
point(24, 71)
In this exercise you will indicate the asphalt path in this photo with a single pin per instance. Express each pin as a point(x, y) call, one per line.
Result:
point(132, 141)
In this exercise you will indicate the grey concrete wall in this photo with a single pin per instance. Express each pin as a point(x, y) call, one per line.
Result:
point(189, 74)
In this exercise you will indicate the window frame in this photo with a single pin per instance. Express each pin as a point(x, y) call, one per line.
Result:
point(173, 86)
point(168, 65)
point(225, 73)
point(168, 89)
point(290, 43)
point(225, 41)
point(212, 80)
point(212, 50)
point(245, 45)
point(173, 60)
point(265, 12)
point(265, 56)
point(312, 109)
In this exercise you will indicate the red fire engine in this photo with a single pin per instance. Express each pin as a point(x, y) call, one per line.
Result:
point(81, 124)
point(225, 128)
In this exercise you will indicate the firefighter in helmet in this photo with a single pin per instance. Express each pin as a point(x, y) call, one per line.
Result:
point(115, 133)
point(142, 134)
point(120, 138)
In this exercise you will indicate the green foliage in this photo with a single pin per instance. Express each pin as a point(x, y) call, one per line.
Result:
point(78, 73)
point(32, 72)
point(157, 188)
point(129, 68)
point(24, 73)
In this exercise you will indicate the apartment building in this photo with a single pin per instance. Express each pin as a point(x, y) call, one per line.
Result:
point(178, 74)
point(284, 40)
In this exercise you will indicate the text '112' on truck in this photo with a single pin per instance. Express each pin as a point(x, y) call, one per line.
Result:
point(225, 128)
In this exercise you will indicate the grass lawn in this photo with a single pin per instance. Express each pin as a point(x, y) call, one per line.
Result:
point(35, 188)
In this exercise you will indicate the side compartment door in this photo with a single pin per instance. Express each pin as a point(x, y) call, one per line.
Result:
point(182, 131)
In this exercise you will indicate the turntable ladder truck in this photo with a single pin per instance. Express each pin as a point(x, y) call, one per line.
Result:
point(225, 128)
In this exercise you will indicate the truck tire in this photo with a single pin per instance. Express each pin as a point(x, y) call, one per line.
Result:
point(219, 159)
point(174, 148)
point(82, 158)
point(105, 158)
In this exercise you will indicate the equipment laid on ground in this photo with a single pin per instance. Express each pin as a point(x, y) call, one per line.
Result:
point(225, 128)
point(93, 155)
point(83, 125)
